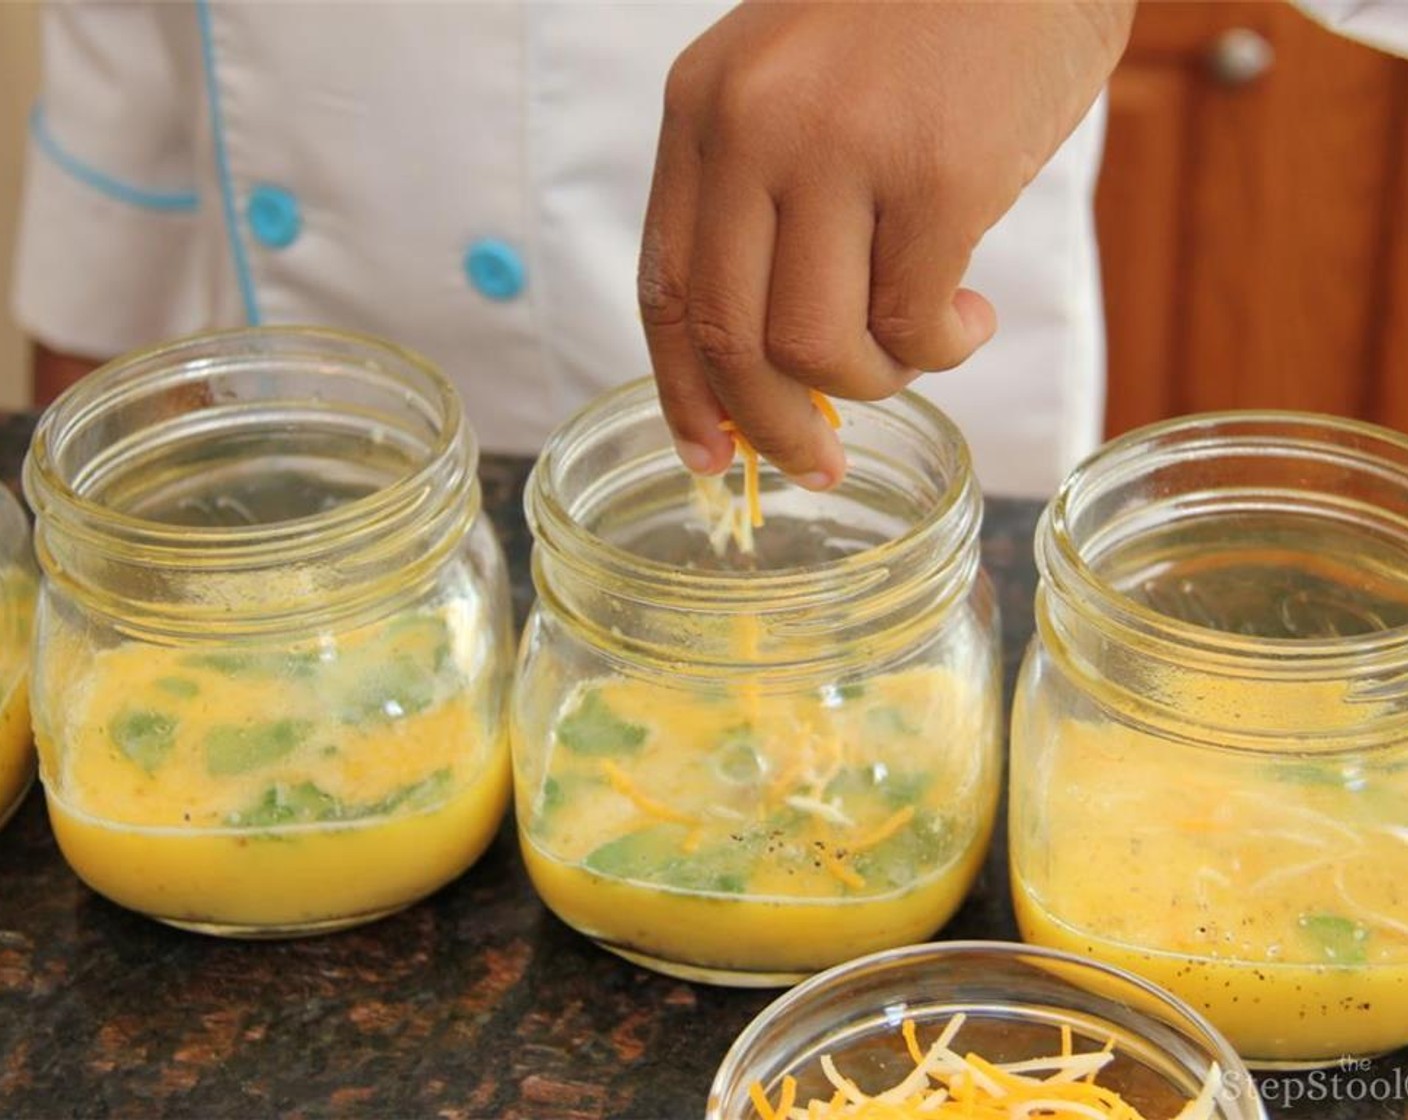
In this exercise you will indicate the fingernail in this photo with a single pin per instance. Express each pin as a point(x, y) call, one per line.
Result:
point(694, 456)
point(815, 480)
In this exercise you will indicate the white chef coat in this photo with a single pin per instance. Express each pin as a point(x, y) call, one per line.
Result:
point(468, 179)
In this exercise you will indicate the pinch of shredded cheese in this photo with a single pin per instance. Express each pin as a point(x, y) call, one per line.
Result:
point(715, 502)
point(945, 1085)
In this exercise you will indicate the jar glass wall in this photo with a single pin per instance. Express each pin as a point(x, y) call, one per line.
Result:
point(18, 581)
point(273, 638)
point(741, 764)
point(1209, 775)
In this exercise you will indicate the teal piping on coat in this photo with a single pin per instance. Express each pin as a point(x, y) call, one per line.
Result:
point(179, 202)
point(222, 167)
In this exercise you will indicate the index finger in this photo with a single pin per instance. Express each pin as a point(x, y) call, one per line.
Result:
point(691, 409)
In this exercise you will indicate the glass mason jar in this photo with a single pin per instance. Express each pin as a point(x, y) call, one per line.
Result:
point(18, 581)
point(1209, 772)
point(745, 765)
point(273, 638)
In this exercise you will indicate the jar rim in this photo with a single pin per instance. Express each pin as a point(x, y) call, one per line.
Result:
point(1063, 565)
point(188, 360)
point(959, 508)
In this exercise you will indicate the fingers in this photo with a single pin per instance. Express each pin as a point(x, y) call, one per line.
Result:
point(731, 273)
point(690, 407)
point(756, 284)
point(918, 313)
point(819, 299)
point(749, 303)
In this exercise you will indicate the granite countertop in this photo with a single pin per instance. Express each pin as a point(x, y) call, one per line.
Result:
point(476, 1004)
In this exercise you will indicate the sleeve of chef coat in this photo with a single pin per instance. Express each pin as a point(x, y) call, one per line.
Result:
point(1379, 23)
point(108, 239)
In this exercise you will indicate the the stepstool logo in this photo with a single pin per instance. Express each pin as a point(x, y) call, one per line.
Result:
point(1351, 1079)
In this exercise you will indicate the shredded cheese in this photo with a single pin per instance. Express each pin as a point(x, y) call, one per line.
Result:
point(841, 871)
point(826, 408)
point(749, 455)
point(884, 830)
point(726, 520)
point(823, 809)
point(621, 782)
point(945, 1085)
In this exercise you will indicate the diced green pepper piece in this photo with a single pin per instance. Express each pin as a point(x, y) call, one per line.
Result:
point(919, 848)
point(392, 689)
point(239, 748)
point(594, 729)
point(306, 803)
point(852, 691)
point(1311, 774)
point(232, 663)
point(895, 788)
point(183, 688)
point(144, 736)
point(905, 787)
point(424, 637)
point(736, 760)
point(653, 855)
point(424, 794)
point(637, 855)
point(887, 720)
point(286, 804)
point(1341, 940)
point(552, 796)
point(556, 791)
point(850, 781)
point(720, 869)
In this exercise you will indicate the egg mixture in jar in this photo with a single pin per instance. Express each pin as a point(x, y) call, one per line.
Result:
point(1210, 740)
point(744, 757)
point(273, 633)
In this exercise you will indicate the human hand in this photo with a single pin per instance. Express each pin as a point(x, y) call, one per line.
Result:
point(824, 173)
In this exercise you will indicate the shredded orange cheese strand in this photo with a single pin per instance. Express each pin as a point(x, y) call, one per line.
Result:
point(621, 782)
point(848, 875)
point(884, 830)
point(945, 1085)
point(750, 472)
point(717, 504)
point(826, 408)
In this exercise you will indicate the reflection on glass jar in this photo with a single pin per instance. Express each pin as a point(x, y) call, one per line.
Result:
point(273, 633)
point(17, 586)
point(1210, 737)
point(743, 765)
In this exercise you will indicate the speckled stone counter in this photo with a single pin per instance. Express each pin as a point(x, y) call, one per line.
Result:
point(476, 1003)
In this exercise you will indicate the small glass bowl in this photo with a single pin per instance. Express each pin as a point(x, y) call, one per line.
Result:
point(1015, 999)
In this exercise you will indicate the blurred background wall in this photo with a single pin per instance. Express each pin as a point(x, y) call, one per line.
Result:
point(19, 78)
point(1253, 214)
point(1253, 218)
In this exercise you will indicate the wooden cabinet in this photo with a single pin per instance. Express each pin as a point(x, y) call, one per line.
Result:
point(1253, 218)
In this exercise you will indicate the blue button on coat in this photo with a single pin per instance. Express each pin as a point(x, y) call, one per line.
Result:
point(273, 216)
point(495, 268)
